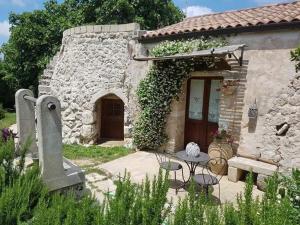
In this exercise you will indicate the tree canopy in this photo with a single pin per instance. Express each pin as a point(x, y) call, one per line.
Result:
point(36, 36)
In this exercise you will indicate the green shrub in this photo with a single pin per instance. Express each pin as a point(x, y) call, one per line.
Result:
point(17, 201)
point(2, 112)
point(24, 200)
point(291, 185)
point(271, 209)
point(19, 191)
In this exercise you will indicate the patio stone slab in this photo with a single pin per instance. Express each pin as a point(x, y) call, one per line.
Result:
point(142, 164)
point(105, 186)
point(94, 177)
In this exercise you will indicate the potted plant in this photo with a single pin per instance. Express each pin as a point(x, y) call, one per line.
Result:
point(221, 147)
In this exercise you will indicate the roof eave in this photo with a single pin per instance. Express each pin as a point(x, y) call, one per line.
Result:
point(224, 31)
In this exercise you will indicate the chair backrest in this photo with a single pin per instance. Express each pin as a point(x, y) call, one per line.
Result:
point(216, 167)
point(161, 157)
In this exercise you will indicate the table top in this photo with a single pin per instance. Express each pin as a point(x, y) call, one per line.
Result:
point(203, 157)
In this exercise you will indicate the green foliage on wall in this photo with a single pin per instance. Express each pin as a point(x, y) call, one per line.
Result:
point(162, 85)
point(295, 56)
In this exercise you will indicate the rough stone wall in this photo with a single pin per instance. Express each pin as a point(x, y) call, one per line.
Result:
point(94, 61)
point(269, 71)
point(281, 133)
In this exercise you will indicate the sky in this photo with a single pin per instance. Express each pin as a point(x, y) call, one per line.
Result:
point(190, 7)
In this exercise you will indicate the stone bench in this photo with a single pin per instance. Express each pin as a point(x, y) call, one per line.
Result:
point(237, 165)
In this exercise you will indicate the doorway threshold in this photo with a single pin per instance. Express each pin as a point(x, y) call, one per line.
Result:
point(111, 143)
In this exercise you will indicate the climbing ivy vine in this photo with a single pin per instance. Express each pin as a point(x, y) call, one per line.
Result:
point(295, 56)
point(162, 85)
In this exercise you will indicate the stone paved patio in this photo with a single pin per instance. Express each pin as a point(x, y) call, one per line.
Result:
point(139, 165)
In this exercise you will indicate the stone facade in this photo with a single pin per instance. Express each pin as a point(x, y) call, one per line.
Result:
point(266, 72)
point(281, 134)
point(94, 61)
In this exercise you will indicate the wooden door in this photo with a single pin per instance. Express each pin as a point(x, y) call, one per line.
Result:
point(112, 119)
point(202, 112)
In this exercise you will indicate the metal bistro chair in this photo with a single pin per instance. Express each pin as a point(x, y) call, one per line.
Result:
point(207, 178)
point(166, 164)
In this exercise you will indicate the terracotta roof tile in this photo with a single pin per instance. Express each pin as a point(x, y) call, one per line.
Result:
point(270, 14)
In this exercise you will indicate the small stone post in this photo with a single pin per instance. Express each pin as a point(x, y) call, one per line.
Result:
point(49, 127)
point(25, 111)
point(50, 137)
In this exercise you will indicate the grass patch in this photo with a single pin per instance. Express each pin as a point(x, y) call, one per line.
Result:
point(97, 153)
point(8, 120)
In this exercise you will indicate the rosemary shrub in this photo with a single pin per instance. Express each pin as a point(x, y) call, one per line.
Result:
point(162, 85)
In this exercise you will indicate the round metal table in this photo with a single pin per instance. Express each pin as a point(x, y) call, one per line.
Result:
point(192, 162)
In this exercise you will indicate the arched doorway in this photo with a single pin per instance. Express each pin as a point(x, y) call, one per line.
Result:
point(110, 118)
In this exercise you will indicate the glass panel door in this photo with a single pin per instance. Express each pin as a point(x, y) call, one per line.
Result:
point(214, 101)
point(196, 99)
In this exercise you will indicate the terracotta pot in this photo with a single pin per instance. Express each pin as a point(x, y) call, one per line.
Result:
point(219, 148)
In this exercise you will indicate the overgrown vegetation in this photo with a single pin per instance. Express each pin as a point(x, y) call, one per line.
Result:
point(295, 56)
point(162, 85)
point(24, 200)
point(94, 152)
point(8, 120)
point(36, 36)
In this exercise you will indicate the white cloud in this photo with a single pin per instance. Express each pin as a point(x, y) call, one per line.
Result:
point(20, 3)
point(197, 11)
point(4, 29)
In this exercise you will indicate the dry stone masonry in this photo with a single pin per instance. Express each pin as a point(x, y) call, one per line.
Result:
point(94, 61)
point(97, 61)
point(281, 136)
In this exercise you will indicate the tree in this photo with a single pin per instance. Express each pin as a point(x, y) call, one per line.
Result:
point(149, 14)
point(36, 36)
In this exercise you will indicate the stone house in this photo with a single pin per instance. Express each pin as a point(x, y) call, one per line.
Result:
point(95, 75)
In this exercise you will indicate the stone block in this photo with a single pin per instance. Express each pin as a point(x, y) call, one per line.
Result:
point(83, 29)
point(234, 174)
point(98, 29)
point(95, 177)
point(128, 131)
point(105, 185)
point(88, 117)
point(294, 101)
point(77, 30)
point(252, 165)
point(90, 28)
point(105, 28)
point(87, 130)
point(261, 182)
point(117, 28)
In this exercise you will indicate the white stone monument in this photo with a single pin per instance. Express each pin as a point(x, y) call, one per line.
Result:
point(57, 172)
point(26, 120)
